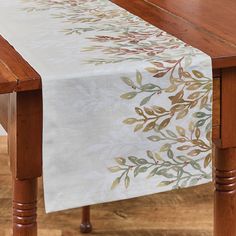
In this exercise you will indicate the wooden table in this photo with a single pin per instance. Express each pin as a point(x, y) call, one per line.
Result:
point(205, 24)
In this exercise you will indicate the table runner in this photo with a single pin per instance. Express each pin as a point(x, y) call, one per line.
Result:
point(127, 107)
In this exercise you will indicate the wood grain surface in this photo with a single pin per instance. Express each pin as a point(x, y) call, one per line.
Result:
point(15, 73)
point(4, 103)
point(202, 14)
point(187, 212)
point(198, 27)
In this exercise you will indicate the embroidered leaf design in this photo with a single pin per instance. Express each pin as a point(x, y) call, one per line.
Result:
point(160, 74)
point(120, 160)
point(154, 138)
point(208, 86)
point(133, 159)
point(195, 165)
point(152, 70)
point(170, 154)
point(171, 88)
point(150, 154)
point(172, 134)
point(158, 109)
point(204, 102)
point(186, 74)
point(149, 111)
point(164, 123)
point(149, 126)
point(197, 133)
point(209, 135)
point(200, 123)
point(177, 108)
point(165, 147)
point(140, 169)
point(130, 121)
point(115, 183)
point(152, 173)
point(180, 71)
point(198, 74)
point(139, 111)
point(180, 130)
point(191, 126)
point(158, 157)
point(194, 152)
point(139, 78)
point(127, 181)
point(164, 183)
point(200, 143)
point(177, 98)
point(181, 140)
point(199, 114)
point(138, 127)
point(182, 114)
point(114, 169)
point(142, 161)
point(184, 147)
point(207, 160)
point(128, 81)
point(194, 95)
point(158, 64)
point(145, 100)
point(149, 86)
point(129, 95)
point(183, 158)
point(194, 86)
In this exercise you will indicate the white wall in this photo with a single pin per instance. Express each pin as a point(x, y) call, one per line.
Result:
point(2, 131)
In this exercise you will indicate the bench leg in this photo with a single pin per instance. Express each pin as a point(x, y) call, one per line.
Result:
point(25, 207)
point(86, 226)
point(225, 193)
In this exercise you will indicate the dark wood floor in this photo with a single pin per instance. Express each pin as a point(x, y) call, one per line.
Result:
point(185, 212)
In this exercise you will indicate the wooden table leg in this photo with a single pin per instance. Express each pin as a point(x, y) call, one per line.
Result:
point(225, 163)
point(24, 207)
point(25, 147)
point(225, 192)
point(86, 226)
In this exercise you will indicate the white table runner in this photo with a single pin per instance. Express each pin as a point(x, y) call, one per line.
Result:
point(127, 107)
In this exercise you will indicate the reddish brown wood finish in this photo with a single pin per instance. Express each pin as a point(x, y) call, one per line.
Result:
point(15, 73)
point(228, 110)
point(225, 193)
point(211, 16)
point(8, 81)
point(24, 207)
point(86, 226)
point(225, 166)
point(4, 103)
point(25, 134)
point(25, 145)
